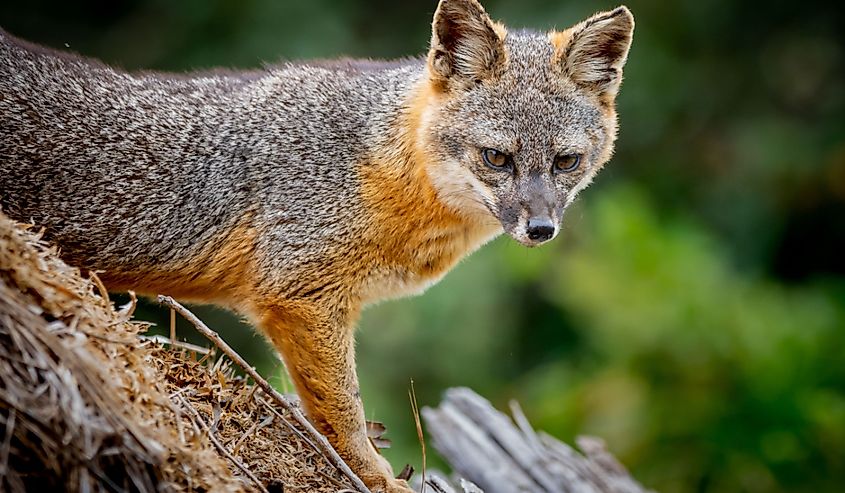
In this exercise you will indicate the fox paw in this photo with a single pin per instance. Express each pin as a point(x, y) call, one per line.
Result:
point(385, 484)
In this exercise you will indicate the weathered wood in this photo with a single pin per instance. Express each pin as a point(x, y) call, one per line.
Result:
point(486, 448)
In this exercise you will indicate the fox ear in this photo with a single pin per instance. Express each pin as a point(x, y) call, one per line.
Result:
point(593, 52)
point(466, 46)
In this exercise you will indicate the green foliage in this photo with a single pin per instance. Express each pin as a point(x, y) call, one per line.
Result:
point(738, 376)
point(700, 376)
point(691, 312)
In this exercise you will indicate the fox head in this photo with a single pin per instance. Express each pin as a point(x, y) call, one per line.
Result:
point(515, 124)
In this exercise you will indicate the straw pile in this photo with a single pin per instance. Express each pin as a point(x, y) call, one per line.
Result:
point(88, 405)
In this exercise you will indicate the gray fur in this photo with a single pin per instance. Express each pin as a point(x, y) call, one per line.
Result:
point(533, 103)
point(131, 170)
point(530, 113)
point(145, 169)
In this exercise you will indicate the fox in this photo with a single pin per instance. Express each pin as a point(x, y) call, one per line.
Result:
point(299, 193)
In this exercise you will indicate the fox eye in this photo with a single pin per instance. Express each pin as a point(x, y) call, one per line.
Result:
point(566, 163)
point(497, 160)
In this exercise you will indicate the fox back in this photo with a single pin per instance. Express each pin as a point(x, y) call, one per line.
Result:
point(127, 172)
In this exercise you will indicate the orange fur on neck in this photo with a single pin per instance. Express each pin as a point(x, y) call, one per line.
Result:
point(415, 231)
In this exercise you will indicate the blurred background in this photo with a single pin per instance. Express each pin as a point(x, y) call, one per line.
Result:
point(692, 312)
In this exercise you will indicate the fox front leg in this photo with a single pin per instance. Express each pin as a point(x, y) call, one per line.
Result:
point(317, 345)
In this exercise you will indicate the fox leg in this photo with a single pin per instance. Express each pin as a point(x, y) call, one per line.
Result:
point(318, 348)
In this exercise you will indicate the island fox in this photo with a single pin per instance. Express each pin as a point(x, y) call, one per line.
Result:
point(297, 194)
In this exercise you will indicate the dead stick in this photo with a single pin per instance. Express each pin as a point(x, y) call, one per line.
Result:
point(298, 434)
point(288, 424)
point(325, 448)
point(249, 432)
point(196, 415)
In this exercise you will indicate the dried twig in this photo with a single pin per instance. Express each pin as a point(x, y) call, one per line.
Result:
point(323, 445)
point(255, 426)
point(412, 394)
point(176, 344)
point(104, 293)
point(196, 416)
point(288, 424)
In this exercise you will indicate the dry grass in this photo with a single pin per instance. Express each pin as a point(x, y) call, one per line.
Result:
point(87, 405)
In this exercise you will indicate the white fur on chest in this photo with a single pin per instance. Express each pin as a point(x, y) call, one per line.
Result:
point(390, 282)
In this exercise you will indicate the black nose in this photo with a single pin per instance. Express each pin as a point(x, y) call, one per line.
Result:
point(540, 229)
